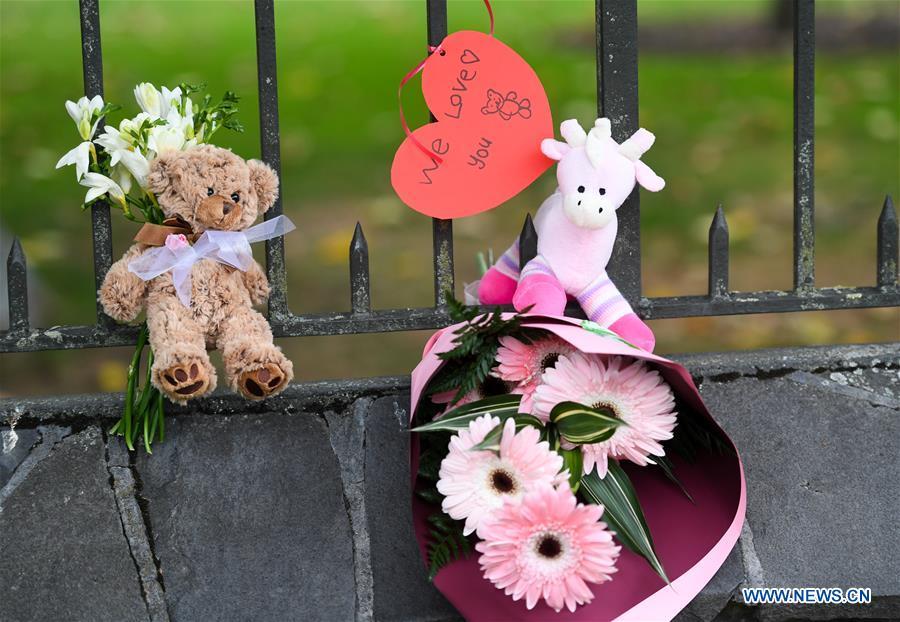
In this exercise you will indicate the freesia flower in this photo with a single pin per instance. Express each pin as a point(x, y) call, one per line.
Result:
point(548, 546)
point(136, 164)
point(166, 138)
point(80, 156)
point(86, 114)
point(628, 390)
point(154, 103)
point(524, 363)
point(476, 483)
point(100, 185)
point(122, 177)
point(114, 142)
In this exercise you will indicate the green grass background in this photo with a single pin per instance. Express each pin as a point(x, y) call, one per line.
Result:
point(723, 123)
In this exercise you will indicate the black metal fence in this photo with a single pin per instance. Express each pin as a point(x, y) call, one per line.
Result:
point(617, 95)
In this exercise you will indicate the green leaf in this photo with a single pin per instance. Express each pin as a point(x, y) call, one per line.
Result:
point(582, 424)
point(503, 406)
point(623, 512)
point(446, 542)
point(573, 460)
point(492, 439)
point(666, 466)
point(595, 328)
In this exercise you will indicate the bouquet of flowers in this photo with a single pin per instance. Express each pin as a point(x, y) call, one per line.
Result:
point(534, 452)
point(113, 166)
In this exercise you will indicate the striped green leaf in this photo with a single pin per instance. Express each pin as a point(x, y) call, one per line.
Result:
point(581, 425)
point(623, 512)
point(502, 406)
point(492, 440)
point(573, 460)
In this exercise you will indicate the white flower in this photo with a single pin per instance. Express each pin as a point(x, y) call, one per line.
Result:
point(122, 177)
point(113, 142)
point(86, 114)
point(101, 184)
point(149, 99)
point(166, 138)
point(80, 156)
point(136, 164)
point(153, 102)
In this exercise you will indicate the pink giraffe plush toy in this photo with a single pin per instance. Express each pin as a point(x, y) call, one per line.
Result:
point(576, 229)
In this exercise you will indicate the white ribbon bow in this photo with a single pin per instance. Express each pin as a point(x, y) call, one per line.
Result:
point(231, 248)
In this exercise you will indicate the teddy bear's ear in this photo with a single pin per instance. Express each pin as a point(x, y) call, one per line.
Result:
point(265, 184)
point(164, 171)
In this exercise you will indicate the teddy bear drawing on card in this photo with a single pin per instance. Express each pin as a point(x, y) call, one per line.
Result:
point(198, 281)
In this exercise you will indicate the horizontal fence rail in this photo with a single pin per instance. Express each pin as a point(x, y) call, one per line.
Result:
point(617, 97)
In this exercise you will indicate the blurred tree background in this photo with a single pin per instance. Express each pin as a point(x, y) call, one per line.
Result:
point(715, 86)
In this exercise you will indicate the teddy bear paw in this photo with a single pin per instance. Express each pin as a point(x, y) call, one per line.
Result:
point(260, 383)
point(182, 382)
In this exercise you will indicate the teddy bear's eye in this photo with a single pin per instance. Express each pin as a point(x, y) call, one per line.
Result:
point(209, 192)
point(580, 188)
point(235, 197)
point(602, 191)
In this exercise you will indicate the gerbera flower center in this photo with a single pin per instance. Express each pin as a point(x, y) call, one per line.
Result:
point(549, 547)
point(606, 408)
point(502, 482)
point(549, 360)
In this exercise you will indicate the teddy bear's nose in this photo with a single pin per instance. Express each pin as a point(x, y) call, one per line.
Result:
point(227, 207)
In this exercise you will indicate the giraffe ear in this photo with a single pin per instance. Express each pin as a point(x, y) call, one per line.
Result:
point(554, 149)
point(647, 178)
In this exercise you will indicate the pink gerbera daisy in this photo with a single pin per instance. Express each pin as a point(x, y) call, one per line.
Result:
point(476, 483)
point(524, 363)
point(624, 387)
point(548, 546)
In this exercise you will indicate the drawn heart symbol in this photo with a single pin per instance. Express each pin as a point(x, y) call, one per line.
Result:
point(492, 113)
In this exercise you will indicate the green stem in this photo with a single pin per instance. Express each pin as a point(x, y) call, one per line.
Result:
point(161, 416)
point(132, 383)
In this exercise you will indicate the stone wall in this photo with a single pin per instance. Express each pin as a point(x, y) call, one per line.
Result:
point(298, 508)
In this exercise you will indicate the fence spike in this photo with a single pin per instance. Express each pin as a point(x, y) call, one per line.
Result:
point(718, 254)
point(360, 300)
point(17, 287)
point(887, 244)
point(528, 240)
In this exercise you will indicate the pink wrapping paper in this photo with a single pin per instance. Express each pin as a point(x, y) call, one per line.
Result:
point(692, 539)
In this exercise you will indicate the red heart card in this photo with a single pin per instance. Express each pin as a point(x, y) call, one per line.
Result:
point(492, 113)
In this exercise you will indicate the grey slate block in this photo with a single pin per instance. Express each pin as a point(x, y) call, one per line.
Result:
point(822, 471)
point(402, 589)
point(249, 520)
point(14, 447)
point(63, 555)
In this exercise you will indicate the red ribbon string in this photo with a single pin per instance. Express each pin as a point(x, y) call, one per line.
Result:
point(416, 70)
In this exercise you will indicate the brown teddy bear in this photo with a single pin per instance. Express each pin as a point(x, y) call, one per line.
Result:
point(203, 189)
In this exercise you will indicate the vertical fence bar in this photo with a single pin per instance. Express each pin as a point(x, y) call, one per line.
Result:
point(804, 134)
point(887, 244)
point(360, 299)
point(270, 145)
point(92, 65)
point(718, 255)
point(528, 240)
point(617, 99)
point(17, 287)
point(441, 230)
